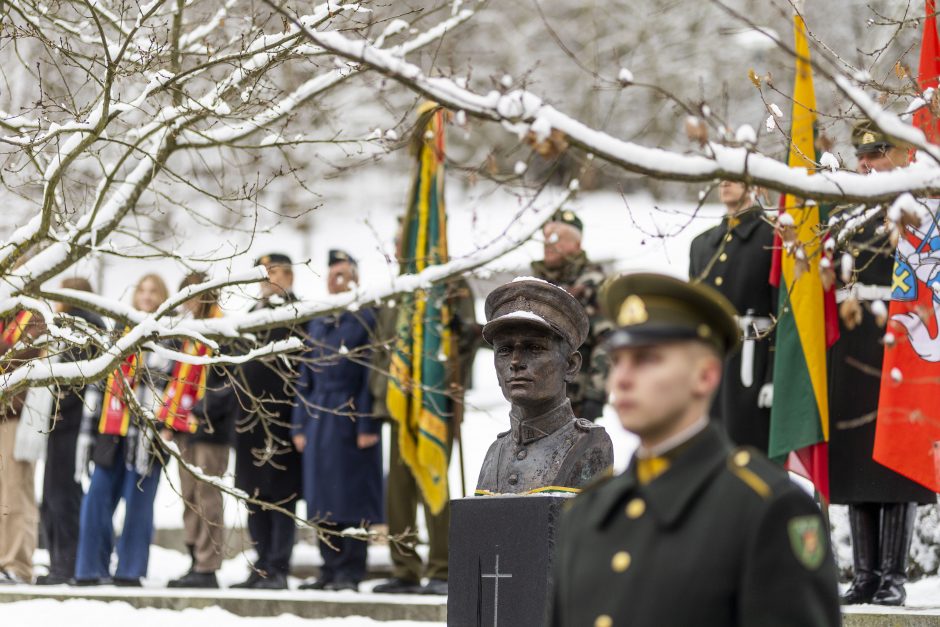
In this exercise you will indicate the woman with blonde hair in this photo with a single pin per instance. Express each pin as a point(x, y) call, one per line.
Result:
point(118, 439)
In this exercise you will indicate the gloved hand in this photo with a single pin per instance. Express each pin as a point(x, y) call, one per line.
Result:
point(82, 455)
point(765, 398)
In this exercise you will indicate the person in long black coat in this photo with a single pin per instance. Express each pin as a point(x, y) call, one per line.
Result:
point(882, 503)
point(334, 428)
point(734, 258)
point(266, 465)
point(61, 491)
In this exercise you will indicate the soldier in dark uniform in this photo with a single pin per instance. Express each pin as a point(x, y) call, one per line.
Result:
point(695, 531)
point(567, 265)
point(882, 503)
point(735, 257)
point(535, 329)
point(267, 466)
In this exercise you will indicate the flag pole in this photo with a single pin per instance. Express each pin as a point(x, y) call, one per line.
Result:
point(458, 399)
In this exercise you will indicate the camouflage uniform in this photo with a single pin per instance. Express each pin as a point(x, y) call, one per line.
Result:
point(582, 278)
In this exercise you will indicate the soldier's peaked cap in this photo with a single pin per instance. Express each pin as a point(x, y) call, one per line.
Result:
point(532, 301)
point(567, 216)
point(275, 258)
point(867, 139)
point(339, 256)
point(650, 309)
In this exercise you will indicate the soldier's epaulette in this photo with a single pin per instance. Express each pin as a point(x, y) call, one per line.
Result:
point(740, 465)
point(583, 424)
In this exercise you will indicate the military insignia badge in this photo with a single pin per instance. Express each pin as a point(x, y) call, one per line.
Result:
point(868, 138)
point(807, 540)
point(632, 311)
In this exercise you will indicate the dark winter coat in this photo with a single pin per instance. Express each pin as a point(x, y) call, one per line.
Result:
point(723, 538)
point(217, 411)
point(341, 482)
point(854, 385)
point(736, 262)
point(266, 463)
point(70, 400)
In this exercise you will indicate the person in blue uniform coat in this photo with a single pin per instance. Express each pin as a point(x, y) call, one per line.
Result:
point(336, 433)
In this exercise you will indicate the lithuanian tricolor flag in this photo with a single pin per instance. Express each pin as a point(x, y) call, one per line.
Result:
point(799, 419)
point(417, 388)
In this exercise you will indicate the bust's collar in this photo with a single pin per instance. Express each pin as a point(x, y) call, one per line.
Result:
point(526, 431)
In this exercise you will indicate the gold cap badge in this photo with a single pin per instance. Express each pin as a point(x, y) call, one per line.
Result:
point(632, 311)
point(868, 138)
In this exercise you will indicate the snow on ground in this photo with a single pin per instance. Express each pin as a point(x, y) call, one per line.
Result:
point(86, 613)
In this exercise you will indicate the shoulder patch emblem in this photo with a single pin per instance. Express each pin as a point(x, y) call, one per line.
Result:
point(807, 540)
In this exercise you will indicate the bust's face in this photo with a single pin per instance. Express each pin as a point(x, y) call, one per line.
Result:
point(531, 365)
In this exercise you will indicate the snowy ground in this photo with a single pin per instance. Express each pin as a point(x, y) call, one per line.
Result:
point(86, 613)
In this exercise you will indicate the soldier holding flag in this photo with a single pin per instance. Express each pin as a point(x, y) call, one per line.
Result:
point(882, 503)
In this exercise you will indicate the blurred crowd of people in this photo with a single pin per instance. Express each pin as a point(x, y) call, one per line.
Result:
point(305, 427)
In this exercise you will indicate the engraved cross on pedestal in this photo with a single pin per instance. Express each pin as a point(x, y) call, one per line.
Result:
point(496, 576)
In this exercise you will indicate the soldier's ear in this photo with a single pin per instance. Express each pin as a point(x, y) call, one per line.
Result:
point(573, 366)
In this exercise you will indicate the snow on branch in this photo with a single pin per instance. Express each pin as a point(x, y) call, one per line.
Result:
point(148, 327)
point(520, 110)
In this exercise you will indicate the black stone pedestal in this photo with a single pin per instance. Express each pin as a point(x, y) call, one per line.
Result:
point(500, 565)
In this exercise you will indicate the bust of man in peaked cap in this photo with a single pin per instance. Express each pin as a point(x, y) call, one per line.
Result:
point(535, 329)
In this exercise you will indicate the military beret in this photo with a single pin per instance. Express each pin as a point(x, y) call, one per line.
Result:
point(868, 139)
point(650, 309)
point(273, 258)
point(340, 256)
point(569, 217)
point(528, 300)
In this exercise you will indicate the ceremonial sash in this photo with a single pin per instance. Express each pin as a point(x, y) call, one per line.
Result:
point(11, 333)
point(187, 386)
point(115, 413)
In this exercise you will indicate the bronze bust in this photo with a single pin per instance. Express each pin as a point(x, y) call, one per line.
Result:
point(535, 329)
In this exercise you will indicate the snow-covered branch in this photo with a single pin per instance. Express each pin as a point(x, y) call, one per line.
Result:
point(521, 111)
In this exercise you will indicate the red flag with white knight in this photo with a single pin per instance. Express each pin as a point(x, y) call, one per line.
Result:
point(907, 433)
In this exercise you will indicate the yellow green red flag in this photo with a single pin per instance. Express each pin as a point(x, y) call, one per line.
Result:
point(799, 424)
point(417, 389)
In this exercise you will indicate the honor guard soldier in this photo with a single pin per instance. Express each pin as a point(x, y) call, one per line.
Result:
point(695, 531)
point(882, 503)
point(734, 257)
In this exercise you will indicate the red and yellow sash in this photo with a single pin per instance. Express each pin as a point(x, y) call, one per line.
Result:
point(187, 386)
point(11, 332)
point(115, 413)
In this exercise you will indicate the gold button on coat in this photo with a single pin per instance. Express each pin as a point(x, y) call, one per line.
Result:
point(719, 280)
point(729, 237)
point(603, 621)
point(742, 458)
point(621, 561)
point(723, 257)
point(636, 508)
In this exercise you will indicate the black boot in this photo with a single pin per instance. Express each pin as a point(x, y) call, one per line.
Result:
point(897, 528)
point(863, 520)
